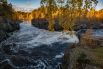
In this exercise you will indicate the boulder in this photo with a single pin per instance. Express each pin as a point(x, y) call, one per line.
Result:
point(5, 65)
point(43, 24)
point(40, 23)
point(19, 60)
point(8, 49)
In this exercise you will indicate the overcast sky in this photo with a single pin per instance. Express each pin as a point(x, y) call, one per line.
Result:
point(32, 4)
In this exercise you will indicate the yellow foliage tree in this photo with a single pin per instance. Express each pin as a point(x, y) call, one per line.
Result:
point(49, 9)
point(69, 10)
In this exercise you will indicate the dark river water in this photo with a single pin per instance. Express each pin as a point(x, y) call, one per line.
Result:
point(32, 48)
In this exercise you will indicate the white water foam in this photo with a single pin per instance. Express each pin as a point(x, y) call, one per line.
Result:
point(32, 36)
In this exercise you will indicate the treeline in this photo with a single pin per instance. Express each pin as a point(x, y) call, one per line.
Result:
point(65, 12)
point(67, 15)
point(7, 12)
point(23, 15)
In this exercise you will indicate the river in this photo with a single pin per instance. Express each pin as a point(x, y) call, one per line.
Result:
point(33, 48)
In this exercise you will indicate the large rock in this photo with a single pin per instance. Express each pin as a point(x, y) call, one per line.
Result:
point(7, 27)
point(20, 61)
point(8, 49)
point(5, 65)
point(43, 24)
point(40, 23)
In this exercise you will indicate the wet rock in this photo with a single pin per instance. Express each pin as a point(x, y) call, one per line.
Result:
point(5, 29)
point(7, 26)
point(23, 52)
point(15, 26)
point(3, 35)
point(43, 24)
point(2, 56)
point(40, 23)
point(10, 27)
point(81, 32)
point(20, 61)
point(5, 65)
point(43, 51)
point(8, 49)
point(66, 59)
point(49, 51)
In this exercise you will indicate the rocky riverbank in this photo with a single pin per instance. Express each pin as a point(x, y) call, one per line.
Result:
point(82, 24)
point(7, 27)
point(82, 58)
point(87, 54)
